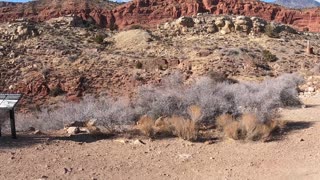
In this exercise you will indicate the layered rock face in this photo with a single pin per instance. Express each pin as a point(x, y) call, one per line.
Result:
point(152, 12)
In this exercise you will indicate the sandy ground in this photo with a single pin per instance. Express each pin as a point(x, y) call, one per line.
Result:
point(293, 155)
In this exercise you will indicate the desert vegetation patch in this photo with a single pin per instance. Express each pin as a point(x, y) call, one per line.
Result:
point(174, 108)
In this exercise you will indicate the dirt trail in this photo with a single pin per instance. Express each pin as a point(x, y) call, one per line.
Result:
point(295, 155)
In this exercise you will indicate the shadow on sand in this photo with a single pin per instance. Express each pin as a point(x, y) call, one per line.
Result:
point(26, 140)
point(85, 138)
point(23, 140)
point(289, 127)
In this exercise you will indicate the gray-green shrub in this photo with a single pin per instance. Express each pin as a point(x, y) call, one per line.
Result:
point(173, 97)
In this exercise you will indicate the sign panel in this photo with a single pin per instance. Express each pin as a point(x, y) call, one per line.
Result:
point(9, 101)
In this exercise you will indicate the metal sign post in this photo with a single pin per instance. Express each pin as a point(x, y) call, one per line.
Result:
point(8, 102)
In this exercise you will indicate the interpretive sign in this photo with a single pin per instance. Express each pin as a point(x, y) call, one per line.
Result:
point(7, 103)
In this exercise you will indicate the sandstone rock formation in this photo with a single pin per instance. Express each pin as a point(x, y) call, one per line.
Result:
point(152, 12)
point(207, 23)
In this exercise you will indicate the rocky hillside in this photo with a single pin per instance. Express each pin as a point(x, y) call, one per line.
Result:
point(152, 12)
point(96, 11)
point(56, 60)
point(298, 4)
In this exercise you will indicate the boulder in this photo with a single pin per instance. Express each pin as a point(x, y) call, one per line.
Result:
point(228, 27)
point(185, 21)
point(68, 20)
point(73, 130)
point(220, 22)
point(212, 29)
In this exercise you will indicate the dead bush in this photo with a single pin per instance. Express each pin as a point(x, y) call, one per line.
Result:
point(112, 114)
point(223, 120)
point(172, 97)
point(233, 130)
point(316, 69)
point(146, 126)
point(163, 127)
point(195, 113)
point(247, 127)
point(184, 128)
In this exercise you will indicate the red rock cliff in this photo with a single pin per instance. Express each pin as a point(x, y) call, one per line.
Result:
point(152, 12)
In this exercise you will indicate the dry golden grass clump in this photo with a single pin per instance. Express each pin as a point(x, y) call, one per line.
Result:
point(247, 127)
point(173, 126)
point(163, 127)
point(195, 112)
point(223, 120)
point(146, 125)
point(186, 129)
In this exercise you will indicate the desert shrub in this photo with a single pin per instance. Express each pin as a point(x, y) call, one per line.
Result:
point(136, 26)
point(246, 127)
point(99, 38)
point(263, 99)
point(223, 120)
point(56, 91)
point(112, 114)
point(172, 126)
point(175, 108)
point(146, 126)
point(271, 31)
point(165, 100)
point(184, 128)
point(164, 127)
point(195, 113)
point(268, 56)
point(139, 65)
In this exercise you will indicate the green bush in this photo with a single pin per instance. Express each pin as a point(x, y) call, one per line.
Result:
point(98, 39)
point(56, 91)
point(139, 65)
point(271, 32)
point(136, 26)
point(268, 56)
